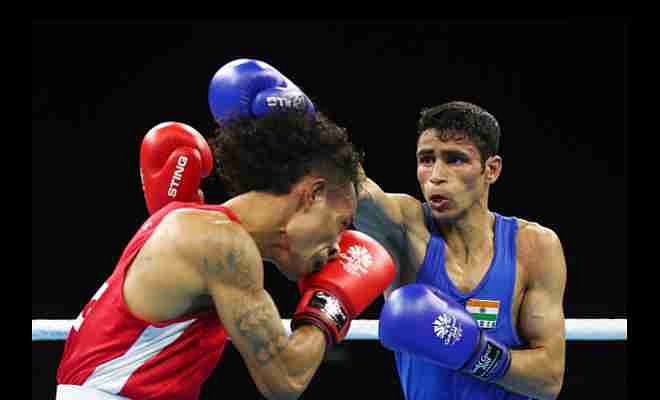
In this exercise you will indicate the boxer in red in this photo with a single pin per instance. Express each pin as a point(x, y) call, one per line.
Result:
point(192, 276)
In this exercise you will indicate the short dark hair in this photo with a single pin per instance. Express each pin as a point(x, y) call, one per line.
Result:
point(480, 126)
point(273, 152)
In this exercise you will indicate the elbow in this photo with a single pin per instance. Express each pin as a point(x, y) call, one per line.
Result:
point(283, 390)
point(556, 385)
point(552, 387)
point(280, 395)
point(549, 393)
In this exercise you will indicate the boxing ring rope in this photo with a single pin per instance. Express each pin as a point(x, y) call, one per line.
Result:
point(364, 329)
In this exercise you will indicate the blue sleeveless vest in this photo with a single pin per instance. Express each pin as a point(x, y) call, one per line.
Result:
point(422, 380)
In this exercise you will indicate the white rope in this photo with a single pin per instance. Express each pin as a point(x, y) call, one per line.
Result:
point(364, 329)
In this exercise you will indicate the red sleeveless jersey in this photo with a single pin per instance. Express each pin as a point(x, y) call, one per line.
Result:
point(112, 350)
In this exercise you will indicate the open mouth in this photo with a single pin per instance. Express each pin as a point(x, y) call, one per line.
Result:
point(438, 202)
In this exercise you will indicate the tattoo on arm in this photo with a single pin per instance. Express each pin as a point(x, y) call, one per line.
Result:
point(264, 339)
point(232, 271)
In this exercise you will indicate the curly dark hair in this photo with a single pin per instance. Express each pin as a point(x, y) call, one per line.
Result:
point(479, 125)
point(275, 151)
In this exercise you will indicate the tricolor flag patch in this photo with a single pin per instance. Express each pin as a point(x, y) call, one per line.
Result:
point(484, 311)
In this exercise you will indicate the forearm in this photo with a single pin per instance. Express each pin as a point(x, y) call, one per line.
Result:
point(534, 373)
point(299, 360)
point(304, 353)
point(377, 215)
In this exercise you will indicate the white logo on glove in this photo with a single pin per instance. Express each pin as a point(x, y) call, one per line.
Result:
point(357, 260)
point(484, 363)
point(332, 305)
point(181, 163)
point(448, 329)
point(296, 102)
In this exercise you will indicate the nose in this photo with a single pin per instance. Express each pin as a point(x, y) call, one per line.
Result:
point(438, 174)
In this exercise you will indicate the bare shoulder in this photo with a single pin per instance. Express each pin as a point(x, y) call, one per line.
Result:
point(410, 206)
point(192, 227)
point(377, 210)
point(216, 246)
point(411, 210)
point(382, 214)
point(539, 249)
point(533, 236)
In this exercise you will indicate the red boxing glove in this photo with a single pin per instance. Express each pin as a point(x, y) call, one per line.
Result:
point(174, 158)
point(345, 286)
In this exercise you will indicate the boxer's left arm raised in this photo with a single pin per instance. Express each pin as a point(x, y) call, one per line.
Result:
point(384, 216)
point(174, 158)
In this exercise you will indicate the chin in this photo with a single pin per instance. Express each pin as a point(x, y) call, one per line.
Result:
point(446, 216)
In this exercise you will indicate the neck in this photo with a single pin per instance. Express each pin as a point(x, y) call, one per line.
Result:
point(265, 216)
point(471, 234)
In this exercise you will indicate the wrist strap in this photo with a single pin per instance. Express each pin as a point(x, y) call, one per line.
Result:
point(321, 308)
point(491, 360)
point(310, 320)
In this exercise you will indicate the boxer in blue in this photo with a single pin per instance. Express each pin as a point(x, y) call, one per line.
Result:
point(476, 311)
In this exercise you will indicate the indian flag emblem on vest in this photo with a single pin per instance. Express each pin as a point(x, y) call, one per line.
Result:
point(484, 311)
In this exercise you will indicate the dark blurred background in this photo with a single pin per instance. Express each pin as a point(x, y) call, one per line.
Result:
point(558, 88)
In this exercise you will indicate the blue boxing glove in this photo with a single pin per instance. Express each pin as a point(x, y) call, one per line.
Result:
point(421, 320)
point(246, 87)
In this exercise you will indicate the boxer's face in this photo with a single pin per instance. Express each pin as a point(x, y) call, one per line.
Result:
point(451, 174)
point(315, 230)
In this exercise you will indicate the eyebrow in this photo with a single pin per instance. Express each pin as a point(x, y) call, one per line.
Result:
point(453, 152)
point(424, 152)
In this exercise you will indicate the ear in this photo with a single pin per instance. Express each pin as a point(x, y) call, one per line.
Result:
point(493, 168)
point(315, 191)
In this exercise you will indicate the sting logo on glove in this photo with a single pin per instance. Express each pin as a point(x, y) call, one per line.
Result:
point(177, 176)
point(294, 102)
point(174, 157)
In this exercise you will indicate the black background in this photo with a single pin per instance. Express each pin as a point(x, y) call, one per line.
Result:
point(558, 87)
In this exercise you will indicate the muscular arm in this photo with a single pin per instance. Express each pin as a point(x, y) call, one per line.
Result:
point(231, 267)
point(382, 216)
point(538, 371)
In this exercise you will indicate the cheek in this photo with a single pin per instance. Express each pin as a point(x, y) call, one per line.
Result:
point(306, 233)
point(422, 174)
point(301, 231)
point(472, 183)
